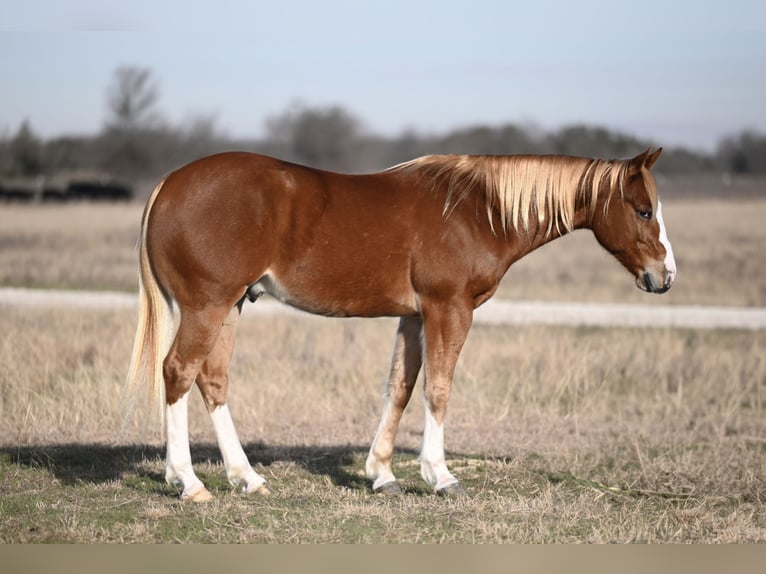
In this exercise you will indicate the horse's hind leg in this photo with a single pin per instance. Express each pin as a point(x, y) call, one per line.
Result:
point(213, 381)
point(197, 335)
point(405, 365)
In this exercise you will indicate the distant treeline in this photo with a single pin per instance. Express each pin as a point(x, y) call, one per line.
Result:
point(137, 145)
point(332, 138)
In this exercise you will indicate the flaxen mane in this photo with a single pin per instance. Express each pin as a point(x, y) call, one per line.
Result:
point(518, 187)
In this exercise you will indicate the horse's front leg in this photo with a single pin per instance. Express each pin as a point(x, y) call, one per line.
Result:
point(405, 365)
point(445, 329)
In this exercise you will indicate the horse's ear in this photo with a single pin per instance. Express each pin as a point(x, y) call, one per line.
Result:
point(652, 158)
point(638, 162)
point(645, 159)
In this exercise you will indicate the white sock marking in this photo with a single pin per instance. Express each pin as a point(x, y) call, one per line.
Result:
point(238, 469)
point(376, 470)
point(433, 467)
point(178, 465)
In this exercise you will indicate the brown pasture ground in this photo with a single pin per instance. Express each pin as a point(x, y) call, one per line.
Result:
point(560, 434)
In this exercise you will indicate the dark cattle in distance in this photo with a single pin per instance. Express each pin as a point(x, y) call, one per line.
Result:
point(63, 188)
point(18, 190)
point(99, 191)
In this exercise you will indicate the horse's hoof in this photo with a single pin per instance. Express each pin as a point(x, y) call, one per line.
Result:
point(262, 489)
point(202, 494)
point(454, 490)
point(392, 488)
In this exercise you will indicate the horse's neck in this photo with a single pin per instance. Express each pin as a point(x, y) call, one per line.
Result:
point(540, 232)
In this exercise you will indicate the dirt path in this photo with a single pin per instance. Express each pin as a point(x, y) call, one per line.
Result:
point(493, 312)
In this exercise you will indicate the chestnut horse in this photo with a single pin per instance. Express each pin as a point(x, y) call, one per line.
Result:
point(427, 241)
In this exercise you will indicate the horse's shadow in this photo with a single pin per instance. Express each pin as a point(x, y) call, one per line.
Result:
point(76, 463)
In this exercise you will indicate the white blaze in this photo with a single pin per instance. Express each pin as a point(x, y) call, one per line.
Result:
point(670, 261)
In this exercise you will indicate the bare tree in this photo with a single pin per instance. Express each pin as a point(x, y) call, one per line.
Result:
point(134, 136)
point(322, 137)
point(26, 152)
point(744, 153)
point(132, 99)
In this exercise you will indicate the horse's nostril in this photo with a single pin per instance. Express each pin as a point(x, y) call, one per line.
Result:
point(670, 276)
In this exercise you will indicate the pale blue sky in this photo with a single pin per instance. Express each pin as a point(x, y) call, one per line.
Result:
point(677, 72)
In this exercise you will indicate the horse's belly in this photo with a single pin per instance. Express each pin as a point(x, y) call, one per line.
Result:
point(339, 295)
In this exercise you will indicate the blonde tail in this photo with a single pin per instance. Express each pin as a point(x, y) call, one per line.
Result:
point(155, 322)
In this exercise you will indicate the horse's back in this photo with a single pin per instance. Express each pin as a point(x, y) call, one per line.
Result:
point(330, 243)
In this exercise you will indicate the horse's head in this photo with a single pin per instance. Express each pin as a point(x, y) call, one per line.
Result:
point(632, 229)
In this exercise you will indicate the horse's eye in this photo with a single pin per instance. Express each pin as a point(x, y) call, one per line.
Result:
point(644, 214)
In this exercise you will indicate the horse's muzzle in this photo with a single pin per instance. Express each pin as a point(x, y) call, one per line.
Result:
point(652, 284)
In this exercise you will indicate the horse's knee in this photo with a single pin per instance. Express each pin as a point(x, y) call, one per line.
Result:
point(177, 381)
point(399, 393)
point(213, 388)
point(437, 397)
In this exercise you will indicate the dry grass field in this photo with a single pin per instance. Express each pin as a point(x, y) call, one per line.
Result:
point(560, 434)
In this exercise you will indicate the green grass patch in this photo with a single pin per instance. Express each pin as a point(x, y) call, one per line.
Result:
point(62, 494)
